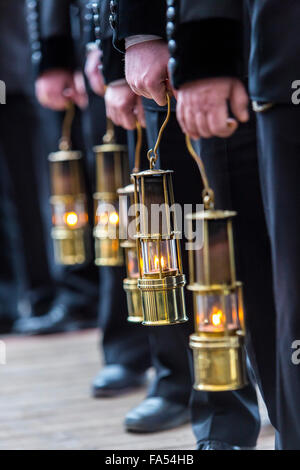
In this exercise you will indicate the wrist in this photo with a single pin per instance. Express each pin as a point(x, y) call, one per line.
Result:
point(119, 82)
point(140, 38)
point(91, 47)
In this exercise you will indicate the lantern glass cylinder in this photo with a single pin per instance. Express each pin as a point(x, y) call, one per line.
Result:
point(70, 232)
point(219, 313)
point(132, 262)
point(161, 278)
point(112, 173)
point(159, 258)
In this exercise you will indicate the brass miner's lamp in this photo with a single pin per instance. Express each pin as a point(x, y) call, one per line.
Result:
point(71, 231)
point(218, 342)
point(130, 284)
point(161, 280)
point(112, 173)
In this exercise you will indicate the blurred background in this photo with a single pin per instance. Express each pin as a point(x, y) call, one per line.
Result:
point(32, 285)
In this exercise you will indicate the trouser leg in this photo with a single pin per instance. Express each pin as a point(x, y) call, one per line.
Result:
point(11, 259)
point(169, 344)
point(232, 169)
point(122, 342)
point(22, 151)
point(187, 188)
point(279, 150)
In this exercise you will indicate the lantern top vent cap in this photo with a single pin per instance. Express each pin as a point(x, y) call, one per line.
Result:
point(110, 148)
point(152, 173)
point(64, 156)
point(126, 190)
point(211, 215)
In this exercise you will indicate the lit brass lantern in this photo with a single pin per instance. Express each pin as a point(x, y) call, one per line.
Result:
point(112, 173)
point(218, 342)
point(161, 278)
point(71, 231)
point(128, 232)
point(130, 284)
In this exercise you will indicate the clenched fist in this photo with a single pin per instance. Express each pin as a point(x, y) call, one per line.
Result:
point(123, 106)
point(93, 72)
point(202, 107)
point(146, 67)
point(56, 88)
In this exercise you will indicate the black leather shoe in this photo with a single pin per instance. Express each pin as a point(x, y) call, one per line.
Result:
point(156, 414)
point(59, 319)
point(116, 379)
point(6, 325)
point(216, 445)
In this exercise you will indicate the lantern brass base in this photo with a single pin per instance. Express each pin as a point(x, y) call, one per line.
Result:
point(71, 247)
point(163, 300)
point(108, 251)
point(134, 301)
point(219, 363)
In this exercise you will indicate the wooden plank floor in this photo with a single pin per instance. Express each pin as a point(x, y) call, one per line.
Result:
point(45, 401)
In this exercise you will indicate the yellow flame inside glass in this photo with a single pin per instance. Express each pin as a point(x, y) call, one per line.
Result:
point(114, 218)
point(71, 219)
point(217, 317)
point(156, 262)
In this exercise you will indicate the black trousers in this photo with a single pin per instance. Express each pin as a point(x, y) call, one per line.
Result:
point(279, 161)
point(25, 264)
point(211, 412)
point(232, 168)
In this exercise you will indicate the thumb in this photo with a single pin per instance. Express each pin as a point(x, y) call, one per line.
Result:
point(239, 101)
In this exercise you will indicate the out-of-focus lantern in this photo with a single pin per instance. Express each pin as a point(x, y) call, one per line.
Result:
point(71, 230)
point(218, 341)
point(130, 284)
point(161, 279)
point(112, 173)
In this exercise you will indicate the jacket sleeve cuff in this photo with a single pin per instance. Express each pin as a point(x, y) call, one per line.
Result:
point(219, 50)
point(112, 62)
point(56, 53)
point(138, 17)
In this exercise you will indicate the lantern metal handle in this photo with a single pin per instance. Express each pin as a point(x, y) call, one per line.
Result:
point(65, 140)
point(207, 194)
point(152, 153)
point(138, 147)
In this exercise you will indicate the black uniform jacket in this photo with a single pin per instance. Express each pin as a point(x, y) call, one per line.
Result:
point(191, 46)
point(275, 47)
point(133, 17)
point(63, 27)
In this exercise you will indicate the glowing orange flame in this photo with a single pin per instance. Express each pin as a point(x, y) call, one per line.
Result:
point(71, 219)
point(156, 262)
point(217, 317)
point(114, 218)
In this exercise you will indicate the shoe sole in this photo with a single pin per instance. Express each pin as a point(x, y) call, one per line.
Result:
point(138, 430)
point(112, 393)
point(70, 328)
